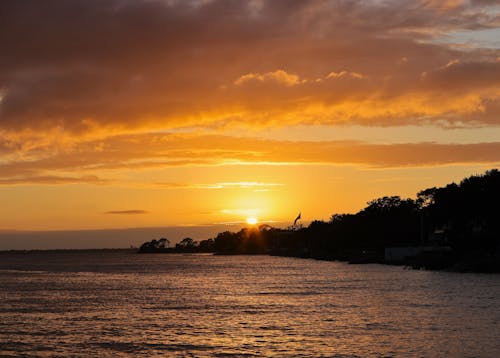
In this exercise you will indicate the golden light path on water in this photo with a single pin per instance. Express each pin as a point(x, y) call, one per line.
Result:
point(124, 304)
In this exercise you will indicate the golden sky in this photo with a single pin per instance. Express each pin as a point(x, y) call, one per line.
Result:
point(117, 114)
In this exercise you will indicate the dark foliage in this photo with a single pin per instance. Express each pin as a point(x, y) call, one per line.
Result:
point(464, 217)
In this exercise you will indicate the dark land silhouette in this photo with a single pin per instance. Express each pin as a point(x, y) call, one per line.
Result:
point(456, 227)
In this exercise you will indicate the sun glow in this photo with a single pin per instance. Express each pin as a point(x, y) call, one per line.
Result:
point(252, 221)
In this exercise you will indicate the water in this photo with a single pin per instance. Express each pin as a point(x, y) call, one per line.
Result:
point(111, 304)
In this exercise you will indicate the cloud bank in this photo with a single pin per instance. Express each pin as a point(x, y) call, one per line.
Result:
point(85, 83)
point(104, 162)
point(87, 66)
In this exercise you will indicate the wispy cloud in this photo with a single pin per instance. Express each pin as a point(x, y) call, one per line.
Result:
point(127, 154)
point(127, 212)
point(255, 186)
point(241, 185)
point(52, 180)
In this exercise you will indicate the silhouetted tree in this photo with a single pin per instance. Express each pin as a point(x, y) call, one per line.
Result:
point(186, 243)
point(163, 242)
point(206, 245)
point(466, 214)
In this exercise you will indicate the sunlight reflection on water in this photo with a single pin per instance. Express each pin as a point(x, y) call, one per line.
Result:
point(118, 303)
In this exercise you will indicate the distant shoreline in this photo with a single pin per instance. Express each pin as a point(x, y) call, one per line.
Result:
point(30, 251)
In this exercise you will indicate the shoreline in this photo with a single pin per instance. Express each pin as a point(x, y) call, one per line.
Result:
point(473, 264)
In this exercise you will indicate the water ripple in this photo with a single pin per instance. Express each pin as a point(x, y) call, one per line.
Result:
point(118, 304)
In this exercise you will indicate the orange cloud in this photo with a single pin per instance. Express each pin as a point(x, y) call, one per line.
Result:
point(278, 76)
point(110, 163)
point(345, 74)
point(51, 180)
point(221, 185)
point(154, 65)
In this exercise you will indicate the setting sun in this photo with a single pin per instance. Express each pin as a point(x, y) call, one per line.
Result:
point(252, 221)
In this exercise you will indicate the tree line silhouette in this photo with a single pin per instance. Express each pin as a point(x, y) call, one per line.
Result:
point(464, 218)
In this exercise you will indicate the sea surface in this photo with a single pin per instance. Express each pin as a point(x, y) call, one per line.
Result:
point(118, 303)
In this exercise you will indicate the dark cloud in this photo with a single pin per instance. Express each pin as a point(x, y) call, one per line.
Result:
point(468, 76)
point(88, 66)
point(51, 180)
point(127, 212)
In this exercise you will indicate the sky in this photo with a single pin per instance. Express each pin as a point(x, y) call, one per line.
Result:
point(166, 113)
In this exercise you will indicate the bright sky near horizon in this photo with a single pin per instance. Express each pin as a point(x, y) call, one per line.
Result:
point(117, 114)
